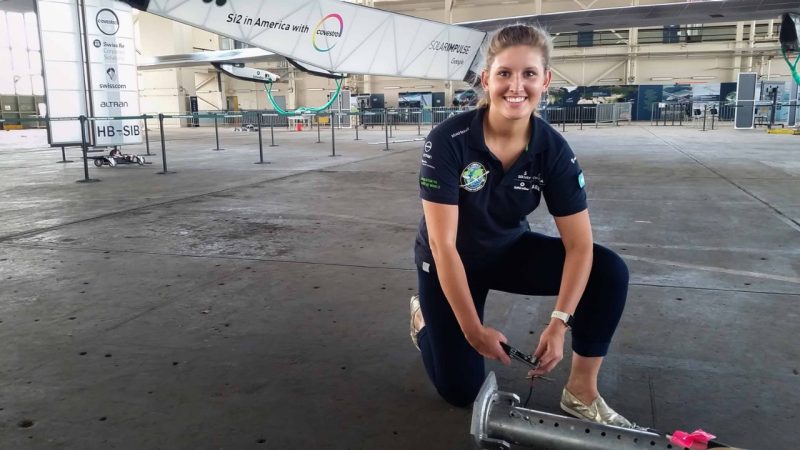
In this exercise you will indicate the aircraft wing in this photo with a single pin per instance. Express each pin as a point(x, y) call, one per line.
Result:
point(334, 36)
point(703, 11)
point(204, 58)
point(329, 36)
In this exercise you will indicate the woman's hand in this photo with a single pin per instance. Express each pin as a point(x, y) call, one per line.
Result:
point(551, 348)
point(486, 341)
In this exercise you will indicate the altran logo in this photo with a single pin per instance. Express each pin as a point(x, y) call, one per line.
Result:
point(331, 26)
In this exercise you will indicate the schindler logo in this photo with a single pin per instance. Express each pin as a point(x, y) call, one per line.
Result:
point(107, 22)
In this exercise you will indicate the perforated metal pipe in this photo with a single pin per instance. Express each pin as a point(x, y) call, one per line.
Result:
point(497, 422)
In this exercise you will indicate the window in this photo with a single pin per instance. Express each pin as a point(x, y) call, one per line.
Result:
point(585, 38)
point(670, 34)
point(20, 51)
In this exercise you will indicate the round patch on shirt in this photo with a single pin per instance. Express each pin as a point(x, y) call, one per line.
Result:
point(473, 177)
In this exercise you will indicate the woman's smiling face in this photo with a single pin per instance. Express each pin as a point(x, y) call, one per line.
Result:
point(515, 81)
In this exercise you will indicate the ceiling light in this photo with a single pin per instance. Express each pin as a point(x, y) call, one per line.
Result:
point(609, 80)
point(422, 86)
point(704, 77)
point(662, 78)
point(391, 87)
point(315, 89)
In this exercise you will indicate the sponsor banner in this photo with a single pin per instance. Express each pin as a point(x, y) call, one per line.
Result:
point(336, 36)
point(112, 74)
point(59, 26)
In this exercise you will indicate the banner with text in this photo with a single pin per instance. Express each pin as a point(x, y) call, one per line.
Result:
point(336, 36)
point(112, 72)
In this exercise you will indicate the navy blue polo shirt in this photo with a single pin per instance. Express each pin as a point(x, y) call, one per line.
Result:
point(457, 168)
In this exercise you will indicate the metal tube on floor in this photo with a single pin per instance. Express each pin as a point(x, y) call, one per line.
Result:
point(497, 423)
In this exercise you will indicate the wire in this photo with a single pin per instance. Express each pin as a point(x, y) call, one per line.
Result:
point(530, 392)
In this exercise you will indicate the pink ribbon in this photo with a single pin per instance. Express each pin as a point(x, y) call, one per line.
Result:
point(685, 439)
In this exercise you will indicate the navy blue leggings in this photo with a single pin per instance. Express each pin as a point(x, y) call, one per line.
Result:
point(532, 266)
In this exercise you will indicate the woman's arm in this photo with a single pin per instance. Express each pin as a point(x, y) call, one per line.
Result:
point(442, 222)
point(576, 234)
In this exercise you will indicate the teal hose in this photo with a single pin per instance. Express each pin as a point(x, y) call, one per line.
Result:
point(793, 67)
point(302, 110)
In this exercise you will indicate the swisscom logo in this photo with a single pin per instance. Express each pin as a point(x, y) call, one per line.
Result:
point(322, 31)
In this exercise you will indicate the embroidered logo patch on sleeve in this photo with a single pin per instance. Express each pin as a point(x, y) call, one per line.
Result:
point(581, 180)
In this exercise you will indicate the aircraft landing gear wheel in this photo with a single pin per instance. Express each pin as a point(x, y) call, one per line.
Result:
point(98, 162)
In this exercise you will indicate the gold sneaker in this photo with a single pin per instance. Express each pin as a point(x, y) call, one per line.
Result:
point(598, 411)
point(414, 307)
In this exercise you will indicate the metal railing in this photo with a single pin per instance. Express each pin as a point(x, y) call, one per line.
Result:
point(599, 114)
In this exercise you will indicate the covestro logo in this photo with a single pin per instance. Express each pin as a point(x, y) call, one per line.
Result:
point(331, 26)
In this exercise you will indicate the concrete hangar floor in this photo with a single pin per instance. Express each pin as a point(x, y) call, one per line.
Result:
point(233, 305)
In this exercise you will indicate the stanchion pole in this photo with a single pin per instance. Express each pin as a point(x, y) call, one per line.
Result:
point(319, 133)
point(216, 134)
point(63, 156)
point(163, 146)
point(391, 132)
point(712, 118)
point(419, 122)
point(260, 144)
point(272, 131)
point(358, 123)
point(84, 147)
point(705, 112)
point(146, 135)
point(385, 116)
point(333, 137)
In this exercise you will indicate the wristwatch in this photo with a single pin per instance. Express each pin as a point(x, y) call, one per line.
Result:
point(562, 316)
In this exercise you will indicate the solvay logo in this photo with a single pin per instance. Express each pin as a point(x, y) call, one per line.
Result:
point(326, 29)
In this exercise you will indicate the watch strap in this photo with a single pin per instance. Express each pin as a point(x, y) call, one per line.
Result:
point(562, 316)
